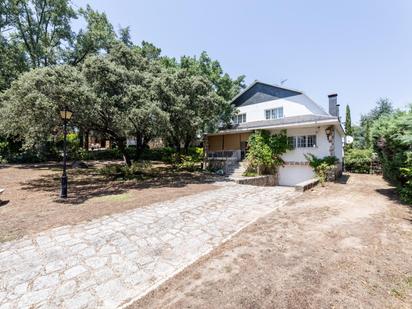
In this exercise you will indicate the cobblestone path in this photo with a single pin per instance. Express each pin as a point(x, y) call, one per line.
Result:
point(112, 260)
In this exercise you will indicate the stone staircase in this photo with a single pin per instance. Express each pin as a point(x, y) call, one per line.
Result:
point(236, 170)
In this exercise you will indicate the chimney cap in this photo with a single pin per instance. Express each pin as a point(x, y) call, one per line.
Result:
point(333, 95)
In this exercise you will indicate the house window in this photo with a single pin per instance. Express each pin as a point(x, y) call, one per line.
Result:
point(303, 141)
point(292, 141)
point(311, 141)
point(274, 113)
point(241, 118)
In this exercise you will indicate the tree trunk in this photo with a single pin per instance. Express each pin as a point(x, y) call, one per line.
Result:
point(186, 148)
point(86, 140)
point(139, 146)
point(122, 148)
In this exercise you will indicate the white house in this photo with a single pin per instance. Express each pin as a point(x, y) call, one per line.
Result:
point(309, 127)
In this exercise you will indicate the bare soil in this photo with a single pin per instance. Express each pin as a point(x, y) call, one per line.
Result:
point(346, 245)
point(31, 200)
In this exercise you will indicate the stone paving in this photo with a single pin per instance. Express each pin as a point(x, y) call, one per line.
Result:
point(118, 258)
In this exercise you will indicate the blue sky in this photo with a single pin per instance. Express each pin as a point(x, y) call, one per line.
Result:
point(361, 49)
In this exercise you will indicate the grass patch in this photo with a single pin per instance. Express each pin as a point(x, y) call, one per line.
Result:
point(115, 198)
point(250, 174)
point(398, 293)
point(409, 282)
point(401, 290)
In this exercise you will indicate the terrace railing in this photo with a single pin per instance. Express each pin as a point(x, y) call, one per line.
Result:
point(224, 155)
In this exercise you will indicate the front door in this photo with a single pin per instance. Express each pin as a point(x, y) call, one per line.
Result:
point(243, 149)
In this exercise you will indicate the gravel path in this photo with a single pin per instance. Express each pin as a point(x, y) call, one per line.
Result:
point(111, 261)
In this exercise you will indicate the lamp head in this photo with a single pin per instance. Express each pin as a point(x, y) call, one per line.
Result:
point(66, 114)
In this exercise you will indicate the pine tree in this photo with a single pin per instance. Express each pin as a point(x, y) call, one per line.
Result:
point(348, 125)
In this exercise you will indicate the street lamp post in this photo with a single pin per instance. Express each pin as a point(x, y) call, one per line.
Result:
point(65, 115)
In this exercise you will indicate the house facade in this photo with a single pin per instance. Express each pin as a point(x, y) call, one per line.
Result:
point(309, 127)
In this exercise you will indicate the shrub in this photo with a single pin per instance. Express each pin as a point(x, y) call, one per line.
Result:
point(358, 160)
point(392, 141)
point(138, 170)
point(189, 163)
point(157, 154)
point(265, 150)
point(406, 174)
point(105, 154)
point(322, 166)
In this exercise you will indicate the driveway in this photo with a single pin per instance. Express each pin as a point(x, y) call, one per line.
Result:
point(346, 245)
point(110, 261)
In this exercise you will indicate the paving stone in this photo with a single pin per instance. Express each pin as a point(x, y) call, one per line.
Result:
point(32, 298)
point(80, 300)
point(66, 288)
point(74, 271)
point(54, 266)
point(96, 262)
point(47, 281)
point(21, 288)
point(107, 261)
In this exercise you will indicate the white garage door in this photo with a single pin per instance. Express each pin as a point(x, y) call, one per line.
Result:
point(292, 175)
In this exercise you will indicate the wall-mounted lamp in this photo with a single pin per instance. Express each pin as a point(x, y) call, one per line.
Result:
point(329, 131)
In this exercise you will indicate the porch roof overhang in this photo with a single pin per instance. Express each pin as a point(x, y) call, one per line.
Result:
point(285, 123)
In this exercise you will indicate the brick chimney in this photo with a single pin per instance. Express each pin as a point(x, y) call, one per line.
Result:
point(333, 105)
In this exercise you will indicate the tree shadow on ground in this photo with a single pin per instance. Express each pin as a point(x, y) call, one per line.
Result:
point(84, 184)
point(343, 179)
point(393, 195)
point(4, 203)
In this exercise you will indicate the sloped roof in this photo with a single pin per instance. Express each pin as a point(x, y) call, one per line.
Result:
point(258, 92)
point(287, 121)
point(281, 121)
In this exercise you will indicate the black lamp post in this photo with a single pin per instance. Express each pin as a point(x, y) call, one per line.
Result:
point(65, 115)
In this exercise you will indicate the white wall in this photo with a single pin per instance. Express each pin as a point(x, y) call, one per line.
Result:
point(292, 106)
point(292, 175)
point(338, 146)
point(298, 154)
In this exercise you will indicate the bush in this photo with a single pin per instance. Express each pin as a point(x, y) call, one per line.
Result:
point(158, 154)
point(322, 166)
point(105, 154)
point(189, 163)
point(265, 150)
point(392, 141)
point(406, 176)
point(138, 170)
point(358, 160)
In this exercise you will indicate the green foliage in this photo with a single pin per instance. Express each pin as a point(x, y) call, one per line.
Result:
point(98, 35)
point(98, 155)
point(265, 150)
point(137, 170)
point(42, 27)
point(250, 173)
point(406, 174)
point(362, 134)
point(383, 107)
point(189, 162)
point(348, 126)
point(30, 109)
point(358, 160)
point(223, 85)
point(322, 166)
point(190, 102)
point(348, 121)
point(392, 141)
point(115, 88)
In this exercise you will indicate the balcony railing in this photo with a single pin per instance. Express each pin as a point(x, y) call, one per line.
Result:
point(224, 155)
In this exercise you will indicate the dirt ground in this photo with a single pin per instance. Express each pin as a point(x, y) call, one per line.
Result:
point(31, 201)
point(346, 245)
